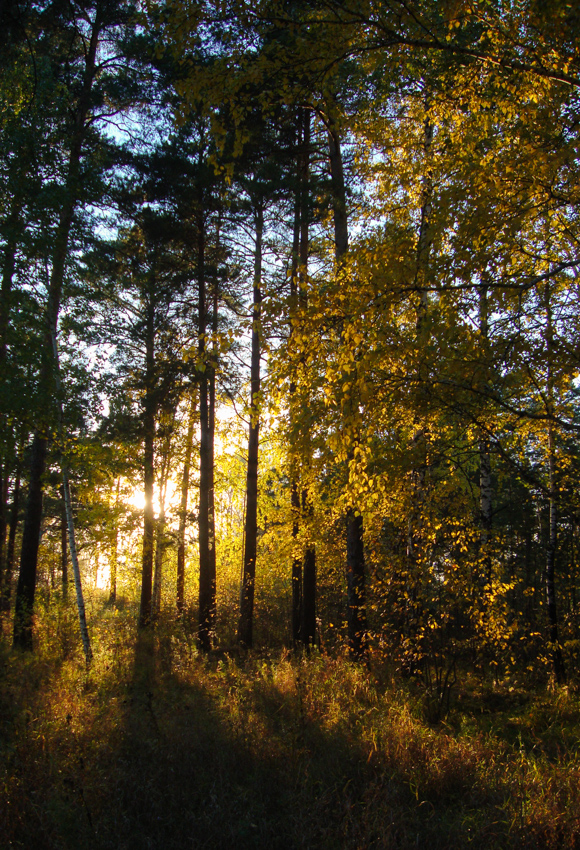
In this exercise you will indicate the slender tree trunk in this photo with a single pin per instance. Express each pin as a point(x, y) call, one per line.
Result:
point(183, 508)
point(63, 549)
point(425, 239)
point(419, 444)
point(355, 560)
point(160, 546)
point(212, 366)
point(8, 268)
point(485, 508)
point(69, 515)
point(11, 548)
point(555, 648)
point(149, 412)
point(114, 550)
point(76, 568)
point(4, 483)
point(245, 626)
point(26, 587)
point(296, 577)
point(207, 574)
point(485, 479)
point(309, 567)
point(161, 542)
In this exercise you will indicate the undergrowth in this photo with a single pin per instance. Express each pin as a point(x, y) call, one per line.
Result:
point(160, 747)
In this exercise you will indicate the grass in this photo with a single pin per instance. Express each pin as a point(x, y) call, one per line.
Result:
point(159, 747)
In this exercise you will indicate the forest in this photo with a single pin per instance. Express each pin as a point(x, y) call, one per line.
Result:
point(289, 423)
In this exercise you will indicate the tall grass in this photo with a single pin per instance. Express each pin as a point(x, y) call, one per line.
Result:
point(159, 747)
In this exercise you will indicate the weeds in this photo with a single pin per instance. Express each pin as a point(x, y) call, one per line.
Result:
point(162, 747)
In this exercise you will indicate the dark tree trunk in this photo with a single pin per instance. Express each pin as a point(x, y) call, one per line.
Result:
point(355, 560)
point(296, 578)
point(63, 548)
point(114, 550)
point(207, 574)
point(4, 482)
point(486, 509)
point(25, 590)
point(419, 443)
point(309, 567)
point(149, 411)
point(212, 365)
point(245, 627)
point(555, 648)
point(338, 194)
point(6, 590)
point(183, 509)
point(485, 479)
point(160, 537)
point(8, 267)
point(355, 582)
point(26, 587)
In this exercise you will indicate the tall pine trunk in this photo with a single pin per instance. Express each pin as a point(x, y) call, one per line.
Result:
point(212, 366)
point(355, 559)
point(69, 514)
point(113, 564)
point(309, 567)
point(149, 412)
point(245, 626)
point(183, 507)
point(63, 548)
point(160, 537)
point(485, 479)
point(419, 443)
point(207, 560)
point(295, 507)
point(13, 226)
point(551, 603)
point(25, 591)
point(6, 591)
point(4, 485)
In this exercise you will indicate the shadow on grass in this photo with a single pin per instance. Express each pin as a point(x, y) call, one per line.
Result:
point(165, 749)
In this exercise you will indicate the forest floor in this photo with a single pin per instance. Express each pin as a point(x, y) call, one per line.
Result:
point(159, 747)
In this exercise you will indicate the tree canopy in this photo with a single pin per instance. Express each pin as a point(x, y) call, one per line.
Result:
point(347, 230)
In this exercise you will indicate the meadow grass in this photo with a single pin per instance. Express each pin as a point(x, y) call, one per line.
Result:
point(158, 746)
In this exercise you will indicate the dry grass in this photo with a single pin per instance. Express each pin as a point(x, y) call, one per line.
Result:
point(158, 747)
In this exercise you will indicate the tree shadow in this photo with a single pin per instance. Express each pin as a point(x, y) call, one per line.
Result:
point(176, 751)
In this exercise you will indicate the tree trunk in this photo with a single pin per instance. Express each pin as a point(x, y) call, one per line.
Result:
point(114, 550)
point(419, 444)
point(485, 480)
point(309, 567)
point(355, 560)
point(63, 549)
point(4, 482)
point(26, 587)
point(207, 574)
point(11, 548)
point(555, 648)
point(149, 411)
point(69, 514)
point(76, 568)
point(296, 576)
point(8, 266)
point(245, 626)
point(212, 365)
point(183, 508)
point(161, 542)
